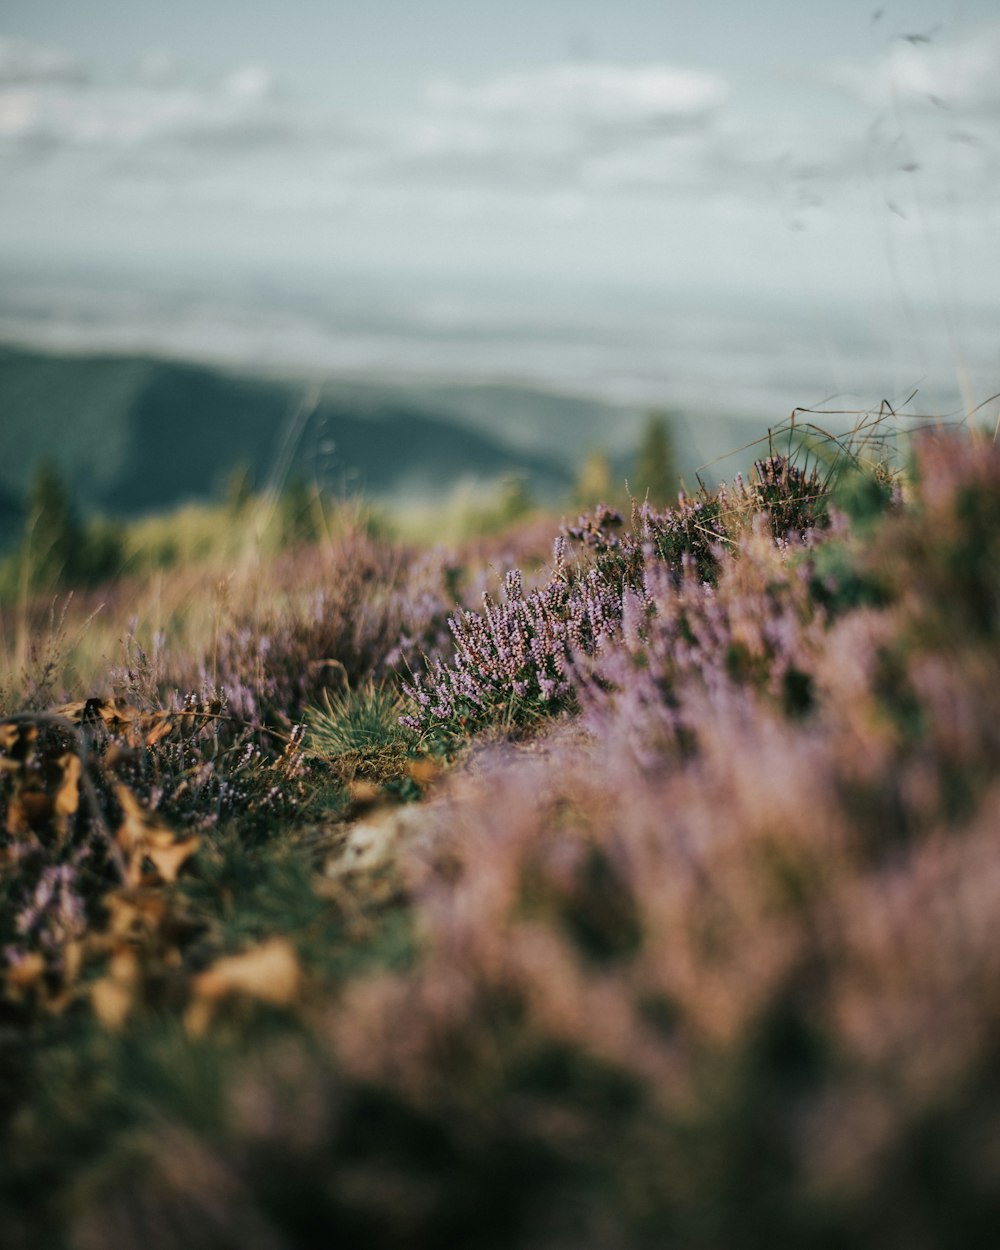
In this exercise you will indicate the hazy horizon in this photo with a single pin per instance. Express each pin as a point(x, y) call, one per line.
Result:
point(696, 352)
point(750, 210)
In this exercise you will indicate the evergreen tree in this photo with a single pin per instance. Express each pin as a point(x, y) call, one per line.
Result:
point(655, 467)
point(57, 549)
point(53, 538)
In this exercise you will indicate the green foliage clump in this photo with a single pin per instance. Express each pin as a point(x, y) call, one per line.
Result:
point(355, 720)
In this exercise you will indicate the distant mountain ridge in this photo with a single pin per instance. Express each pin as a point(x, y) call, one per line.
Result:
point(134, 434)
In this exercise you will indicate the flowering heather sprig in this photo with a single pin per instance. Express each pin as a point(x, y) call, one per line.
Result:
point(597, 530)
point(694, 530)
point(511, 660)
point(792, 499)
point(757, 629)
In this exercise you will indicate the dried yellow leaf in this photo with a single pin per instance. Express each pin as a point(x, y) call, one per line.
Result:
point(29, 809)
point(198, 1017)
point(424, 770)
point(135, 914)
point(123, 966)
point(168, 859)
point(67, 798)
point(73, 712)
point(112, 1002)
point(160, 726)
point(269, 972)
point(116, 755)
point(26, 972)
point(17, 739)
point(143, 835)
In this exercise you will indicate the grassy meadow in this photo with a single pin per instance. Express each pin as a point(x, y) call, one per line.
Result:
point(486, 877)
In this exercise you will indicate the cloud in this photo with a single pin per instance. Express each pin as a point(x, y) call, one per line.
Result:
point(48, 101)
point(586, 94)
point(556, 141)
point(563, 128)
point(961, 72)
point(557, 130)
point(249, 82)
point(22, 61)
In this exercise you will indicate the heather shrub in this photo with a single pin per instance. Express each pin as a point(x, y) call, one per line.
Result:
point(353, 609)
point(792, 499)
point(951, 532)
point(53, 847)
point(756, 629)
point(511, 660)
point(709, 962)
point(514, 661)
point(101, 798)
point(762, 965)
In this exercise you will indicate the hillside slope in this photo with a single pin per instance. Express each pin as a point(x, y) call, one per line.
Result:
point(135, 434)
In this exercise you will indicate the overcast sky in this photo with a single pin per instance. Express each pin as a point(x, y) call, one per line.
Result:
point(787, 146)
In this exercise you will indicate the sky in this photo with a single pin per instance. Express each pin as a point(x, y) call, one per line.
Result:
point(838, 152)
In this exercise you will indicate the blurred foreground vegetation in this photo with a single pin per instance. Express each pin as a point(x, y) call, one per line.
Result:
point(629, 884)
